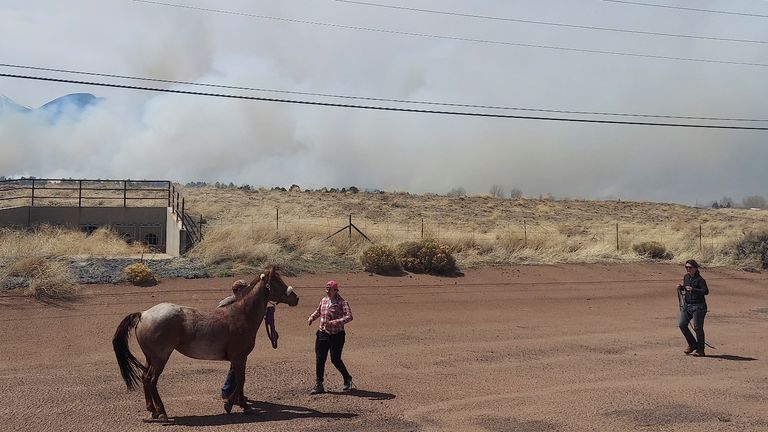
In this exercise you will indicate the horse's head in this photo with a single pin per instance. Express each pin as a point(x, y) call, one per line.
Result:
point(279, 291)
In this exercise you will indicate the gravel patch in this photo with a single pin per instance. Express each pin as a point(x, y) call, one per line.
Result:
point(93, 270)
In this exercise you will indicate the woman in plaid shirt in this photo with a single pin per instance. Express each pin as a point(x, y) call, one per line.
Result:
point(333, 312)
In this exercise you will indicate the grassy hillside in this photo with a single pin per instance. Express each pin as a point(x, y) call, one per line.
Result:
point(246, 229)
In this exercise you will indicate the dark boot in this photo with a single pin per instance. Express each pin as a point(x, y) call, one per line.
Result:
point(318, 389)
point(689, 350)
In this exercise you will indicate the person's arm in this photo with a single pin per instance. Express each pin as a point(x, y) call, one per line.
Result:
point(315, 314)
point(347, 314)
point(701, 288)
point(227, 301)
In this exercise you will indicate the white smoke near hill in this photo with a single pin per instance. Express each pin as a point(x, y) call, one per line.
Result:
point(135, 134)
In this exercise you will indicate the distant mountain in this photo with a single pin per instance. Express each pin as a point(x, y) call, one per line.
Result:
point(72, 103)
point(7, 105)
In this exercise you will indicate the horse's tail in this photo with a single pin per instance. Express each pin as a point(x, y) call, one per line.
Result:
point(130, 367)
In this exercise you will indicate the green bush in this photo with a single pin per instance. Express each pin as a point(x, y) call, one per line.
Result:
point(652, 249)
point(754, 246)
point(139, 274)
point(380, 259)
point(427, 256)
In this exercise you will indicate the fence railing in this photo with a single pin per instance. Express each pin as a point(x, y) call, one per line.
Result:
point(38, 192)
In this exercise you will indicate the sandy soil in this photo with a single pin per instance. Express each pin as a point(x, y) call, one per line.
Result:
point(535, 348)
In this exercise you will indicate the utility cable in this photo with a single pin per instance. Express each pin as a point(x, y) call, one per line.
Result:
point(381, 108)
point(686, 8)
point(462, 39)
point(554, 24)
point(406, 101)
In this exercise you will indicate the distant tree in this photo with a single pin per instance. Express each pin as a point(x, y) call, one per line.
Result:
point(353, 189)
point(294, 188)
point(753, 201)
point(515, 193)
point(726, 202)
point(459, 191)
point(497, 191)
point(715, 205)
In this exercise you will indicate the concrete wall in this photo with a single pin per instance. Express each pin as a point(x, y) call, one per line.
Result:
point(137, 223)
point(176, 237)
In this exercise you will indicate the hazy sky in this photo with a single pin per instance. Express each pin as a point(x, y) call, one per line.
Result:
point(139, 134)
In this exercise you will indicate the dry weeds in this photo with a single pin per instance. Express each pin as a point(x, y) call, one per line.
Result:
point(244, 229)
point(46, 278)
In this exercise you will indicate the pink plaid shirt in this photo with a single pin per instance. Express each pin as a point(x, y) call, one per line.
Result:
point(333, 314)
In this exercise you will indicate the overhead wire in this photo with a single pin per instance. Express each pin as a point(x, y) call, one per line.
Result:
point(554, 24)
point(378, 99)
point(457, 38)
point(634, 3)
point(381, 108)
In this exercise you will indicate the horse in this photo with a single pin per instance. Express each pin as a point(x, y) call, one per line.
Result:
point(227, 333)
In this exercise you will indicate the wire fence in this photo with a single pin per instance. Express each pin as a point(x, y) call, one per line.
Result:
point(526, 233)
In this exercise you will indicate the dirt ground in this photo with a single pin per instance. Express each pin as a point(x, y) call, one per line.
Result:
point(530, 348)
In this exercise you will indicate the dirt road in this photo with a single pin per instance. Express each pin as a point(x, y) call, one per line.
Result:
point(534, 348)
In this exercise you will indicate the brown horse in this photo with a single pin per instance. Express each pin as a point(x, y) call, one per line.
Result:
point(227, 333)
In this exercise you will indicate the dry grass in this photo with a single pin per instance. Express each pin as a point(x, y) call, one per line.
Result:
point(46, 278)
point(57, 242)
point(243, 231)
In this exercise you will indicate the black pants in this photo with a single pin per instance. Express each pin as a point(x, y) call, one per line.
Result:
point(695, 312)
point(334, 344)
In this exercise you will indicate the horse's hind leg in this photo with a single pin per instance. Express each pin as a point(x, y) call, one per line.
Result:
point(157, 368)
point(146, 380)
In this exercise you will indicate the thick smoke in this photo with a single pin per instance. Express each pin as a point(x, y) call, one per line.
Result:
point(133, 134)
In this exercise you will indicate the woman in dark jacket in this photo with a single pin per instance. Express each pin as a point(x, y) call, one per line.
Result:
point(693, 306)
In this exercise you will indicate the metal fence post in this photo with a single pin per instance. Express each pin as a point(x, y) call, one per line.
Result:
point(33, 193)
point(277, 219)
point(125, 193)
point(617, 237)
point(79, 193)
point(700, 237)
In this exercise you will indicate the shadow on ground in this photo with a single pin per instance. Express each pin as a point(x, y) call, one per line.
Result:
point(730, 357)
point(262, 412)
point(370, 395)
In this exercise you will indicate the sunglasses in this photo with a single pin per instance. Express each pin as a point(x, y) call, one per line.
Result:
point(689, 267)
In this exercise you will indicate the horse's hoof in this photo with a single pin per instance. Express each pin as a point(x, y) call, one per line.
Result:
point(248, 410)
point(154, 415)
point(162, 417)
point(228, 407)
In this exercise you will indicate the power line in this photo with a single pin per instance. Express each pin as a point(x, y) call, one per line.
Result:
point(458, 105)
point(456, 38)
point(380, 108)
point(584, 27)
point(687, 8)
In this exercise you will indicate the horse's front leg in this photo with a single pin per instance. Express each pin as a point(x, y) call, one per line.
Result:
point(237, 395)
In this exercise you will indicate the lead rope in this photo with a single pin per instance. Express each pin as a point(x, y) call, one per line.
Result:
point(269, 322)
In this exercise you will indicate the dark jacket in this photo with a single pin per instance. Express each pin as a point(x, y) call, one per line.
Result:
point(700, 289)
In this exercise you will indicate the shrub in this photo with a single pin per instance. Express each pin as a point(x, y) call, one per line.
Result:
point(652, 249)
point(754, 246)
point(139, 274)
point(427, 256)
point(380, 259)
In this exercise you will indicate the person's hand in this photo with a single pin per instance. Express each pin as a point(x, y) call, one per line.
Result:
point(688, 288)
point(309, 321)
